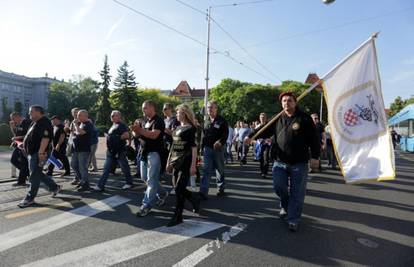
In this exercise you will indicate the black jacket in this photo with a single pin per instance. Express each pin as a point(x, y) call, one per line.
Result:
point(293, 138)
point(218, 130)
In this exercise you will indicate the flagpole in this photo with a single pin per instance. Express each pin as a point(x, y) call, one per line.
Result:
point(314, 85)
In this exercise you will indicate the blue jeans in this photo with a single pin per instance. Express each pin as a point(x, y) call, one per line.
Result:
point(37, 176)
point(213, 161)
point(150, 174)
point(289, 183)
point(123, 163)
point(79, 163)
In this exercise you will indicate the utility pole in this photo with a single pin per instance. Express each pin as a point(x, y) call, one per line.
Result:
point(320, 111)
point(208, 64)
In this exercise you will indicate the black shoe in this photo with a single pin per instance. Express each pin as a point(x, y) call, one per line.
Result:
point(221, 193)
point(74, 182)
point(84, 188)
point(202, 196)
point(196, 203)
point(293, 227)
point(57, 190)
point(263, 176)
point(19, 184)
point(176, 219)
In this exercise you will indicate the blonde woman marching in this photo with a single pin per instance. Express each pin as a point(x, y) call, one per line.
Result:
point(182, 162)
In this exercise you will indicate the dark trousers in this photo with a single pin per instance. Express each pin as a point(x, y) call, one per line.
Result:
point(60, 155)
point(20, 162)
point(181, 178)
point(243, 150)
point(264, 159)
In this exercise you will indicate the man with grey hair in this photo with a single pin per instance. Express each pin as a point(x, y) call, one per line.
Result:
point(116, 151)
point(81, 148)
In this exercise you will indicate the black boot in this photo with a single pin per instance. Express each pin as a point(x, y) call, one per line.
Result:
point(195, 200)
point(177, 218)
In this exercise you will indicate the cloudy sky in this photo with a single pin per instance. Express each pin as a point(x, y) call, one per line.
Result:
point(281, 40)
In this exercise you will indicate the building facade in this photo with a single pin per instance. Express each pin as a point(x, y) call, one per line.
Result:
point(28, 91)
point(184, 92)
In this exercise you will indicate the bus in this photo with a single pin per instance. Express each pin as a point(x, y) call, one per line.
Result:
point(403, 124)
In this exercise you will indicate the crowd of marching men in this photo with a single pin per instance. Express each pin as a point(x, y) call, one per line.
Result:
point(171, 147)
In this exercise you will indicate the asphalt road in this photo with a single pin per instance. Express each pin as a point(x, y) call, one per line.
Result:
point(370, 224)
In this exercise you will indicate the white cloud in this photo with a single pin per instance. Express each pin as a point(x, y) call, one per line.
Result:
point(86, 7)
point(114, 27)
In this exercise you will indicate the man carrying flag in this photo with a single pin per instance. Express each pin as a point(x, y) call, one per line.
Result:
point(294, 134)
point(359, 133)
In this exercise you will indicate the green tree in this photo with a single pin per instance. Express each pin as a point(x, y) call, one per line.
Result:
point(244, 101)
point(398, 105)
point(124, 98)
point(103, 106)
point(60, 95)
point(5, 110)
point(85, 94)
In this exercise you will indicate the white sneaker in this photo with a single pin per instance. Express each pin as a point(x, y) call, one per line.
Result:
point(127, 186)
point(172, 192)
point(97, 188)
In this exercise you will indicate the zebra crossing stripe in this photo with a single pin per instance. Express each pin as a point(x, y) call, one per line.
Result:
point(129, 247)
point(29, 232)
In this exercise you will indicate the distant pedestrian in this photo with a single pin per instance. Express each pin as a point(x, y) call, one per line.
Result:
point(59, 142)
point(70, 131)
point(19, 127)
point(264, 144)
point(81, 149)
point(116, 142)
point(92, 163)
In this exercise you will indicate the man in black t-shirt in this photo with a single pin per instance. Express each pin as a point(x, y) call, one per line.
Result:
point(36, 144)
point(59, 145)
point(215, 132)
point(152, 145)
point(19, 127)
point(116, 151)
point(81, 148)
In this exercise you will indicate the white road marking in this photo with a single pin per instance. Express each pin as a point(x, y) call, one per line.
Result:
point(26, 233)
point(129, 247)
point(208, 249)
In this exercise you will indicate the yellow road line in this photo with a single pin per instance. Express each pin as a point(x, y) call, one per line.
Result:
point(41, 209)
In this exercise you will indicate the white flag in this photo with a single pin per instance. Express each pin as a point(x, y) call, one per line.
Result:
point(357, 118)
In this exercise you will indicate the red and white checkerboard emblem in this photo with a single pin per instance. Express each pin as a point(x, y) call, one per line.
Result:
point(351, 117)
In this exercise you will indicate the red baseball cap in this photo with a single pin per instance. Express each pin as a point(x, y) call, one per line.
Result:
point(287, 94)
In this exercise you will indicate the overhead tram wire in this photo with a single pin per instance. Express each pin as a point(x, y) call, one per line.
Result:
point(226, 54)
point(298, 35)
point(232, 38)
point(245, 3)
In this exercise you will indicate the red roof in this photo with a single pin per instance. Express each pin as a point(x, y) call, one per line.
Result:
point(183, 89)
point(313, 78)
